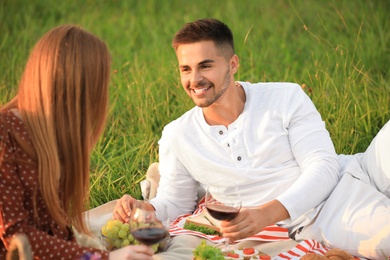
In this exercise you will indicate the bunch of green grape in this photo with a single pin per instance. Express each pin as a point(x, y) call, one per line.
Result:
point(117, 235)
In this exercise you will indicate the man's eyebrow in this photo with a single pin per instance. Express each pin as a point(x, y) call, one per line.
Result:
point(183, 66)
point(203, 62)
point(206, 61)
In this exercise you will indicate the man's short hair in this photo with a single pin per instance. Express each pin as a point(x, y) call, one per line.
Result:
point(206, 30)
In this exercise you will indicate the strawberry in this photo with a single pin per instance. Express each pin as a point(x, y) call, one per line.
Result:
point(233, 255)
point(248, 251)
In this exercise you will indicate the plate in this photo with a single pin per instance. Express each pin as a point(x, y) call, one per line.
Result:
point(241, 253)
point(243, 256)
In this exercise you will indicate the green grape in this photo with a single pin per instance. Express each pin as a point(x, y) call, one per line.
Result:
point(114, 230)
point(131, 238)
point(112, 234)
point(133, 225)
point(143, 225)
point(154, 247)
point(110, 224)
point(118, 223)
point(118, 243)
point(125, 242)
point(118, 234)
point(122, 234)
point(104, 230)
point(125, 227)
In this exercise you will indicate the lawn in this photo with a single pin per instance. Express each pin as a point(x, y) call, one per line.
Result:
point(337, 50)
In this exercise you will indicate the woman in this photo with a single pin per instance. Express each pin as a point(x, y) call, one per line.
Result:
point(47, 132)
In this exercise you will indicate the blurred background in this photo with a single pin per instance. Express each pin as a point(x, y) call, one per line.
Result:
point(337, 50)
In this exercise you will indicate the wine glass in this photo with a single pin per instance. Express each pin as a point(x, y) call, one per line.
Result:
point(223, 202)
point(146, 227)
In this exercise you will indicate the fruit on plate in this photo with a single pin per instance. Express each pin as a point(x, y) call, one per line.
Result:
point(117, 234)
point(233, 255)
point(248, 251)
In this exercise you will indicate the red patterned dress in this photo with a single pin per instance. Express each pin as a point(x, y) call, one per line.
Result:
point(18, 182)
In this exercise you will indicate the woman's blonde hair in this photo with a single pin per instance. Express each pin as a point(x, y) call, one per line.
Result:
point(63, 100)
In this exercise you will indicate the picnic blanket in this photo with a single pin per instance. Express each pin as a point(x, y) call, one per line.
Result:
point(271, 233)
point(273, 240)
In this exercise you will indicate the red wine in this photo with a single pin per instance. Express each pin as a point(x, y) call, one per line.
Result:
point(222, 212)
point(150, 235)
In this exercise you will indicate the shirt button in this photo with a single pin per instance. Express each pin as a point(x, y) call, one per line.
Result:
point(220, 132)
point(239, 158)
point(228, 145)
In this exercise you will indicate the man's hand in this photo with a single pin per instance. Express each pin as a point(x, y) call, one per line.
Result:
point(252, 220)
point(122, 210)
point(124, 206)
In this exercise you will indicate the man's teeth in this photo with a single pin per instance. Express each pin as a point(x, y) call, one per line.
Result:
point(197, 91)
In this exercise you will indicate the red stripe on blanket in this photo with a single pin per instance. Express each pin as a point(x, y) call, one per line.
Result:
point(270, 233)
point(304, 249)
point(282, 256)
point(293, 253)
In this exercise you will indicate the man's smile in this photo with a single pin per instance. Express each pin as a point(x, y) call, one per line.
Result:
point(200, 90)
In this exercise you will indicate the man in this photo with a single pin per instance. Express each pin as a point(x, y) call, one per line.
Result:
point(268, 138)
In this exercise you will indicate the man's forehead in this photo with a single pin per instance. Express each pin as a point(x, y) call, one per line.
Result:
point(198, 52)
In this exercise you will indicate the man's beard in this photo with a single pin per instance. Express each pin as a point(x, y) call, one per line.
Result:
point(225, 84)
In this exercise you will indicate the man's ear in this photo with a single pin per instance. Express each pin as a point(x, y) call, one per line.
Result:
point(234, 63)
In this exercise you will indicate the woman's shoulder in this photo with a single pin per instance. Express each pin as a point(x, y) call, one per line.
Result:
point(14, 135)
point(5, 121)
point(11, 124)
point(10, 119)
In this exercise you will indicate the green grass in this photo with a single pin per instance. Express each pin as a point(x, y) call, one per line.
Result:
point(337, 49)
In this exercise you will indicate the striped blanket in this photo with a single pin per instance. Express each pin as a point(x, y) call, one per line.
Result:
point(269, 234)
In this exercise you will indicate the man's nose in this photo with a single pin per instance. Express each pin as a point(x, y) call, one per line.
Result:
point(195, 78)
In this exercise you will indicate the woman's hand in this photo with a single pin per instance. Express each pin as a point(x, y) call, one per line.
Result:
point(139, 252)
point(122, 210)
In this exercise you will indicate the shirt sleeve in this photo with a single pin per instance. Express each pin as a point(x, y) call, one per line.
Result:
point(314, 152)
point(177, 189)
point(13, 213)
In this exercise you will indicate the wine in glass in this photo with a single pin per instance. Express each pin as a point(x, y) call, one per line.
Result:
point(223, 202)
point(146, 227)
